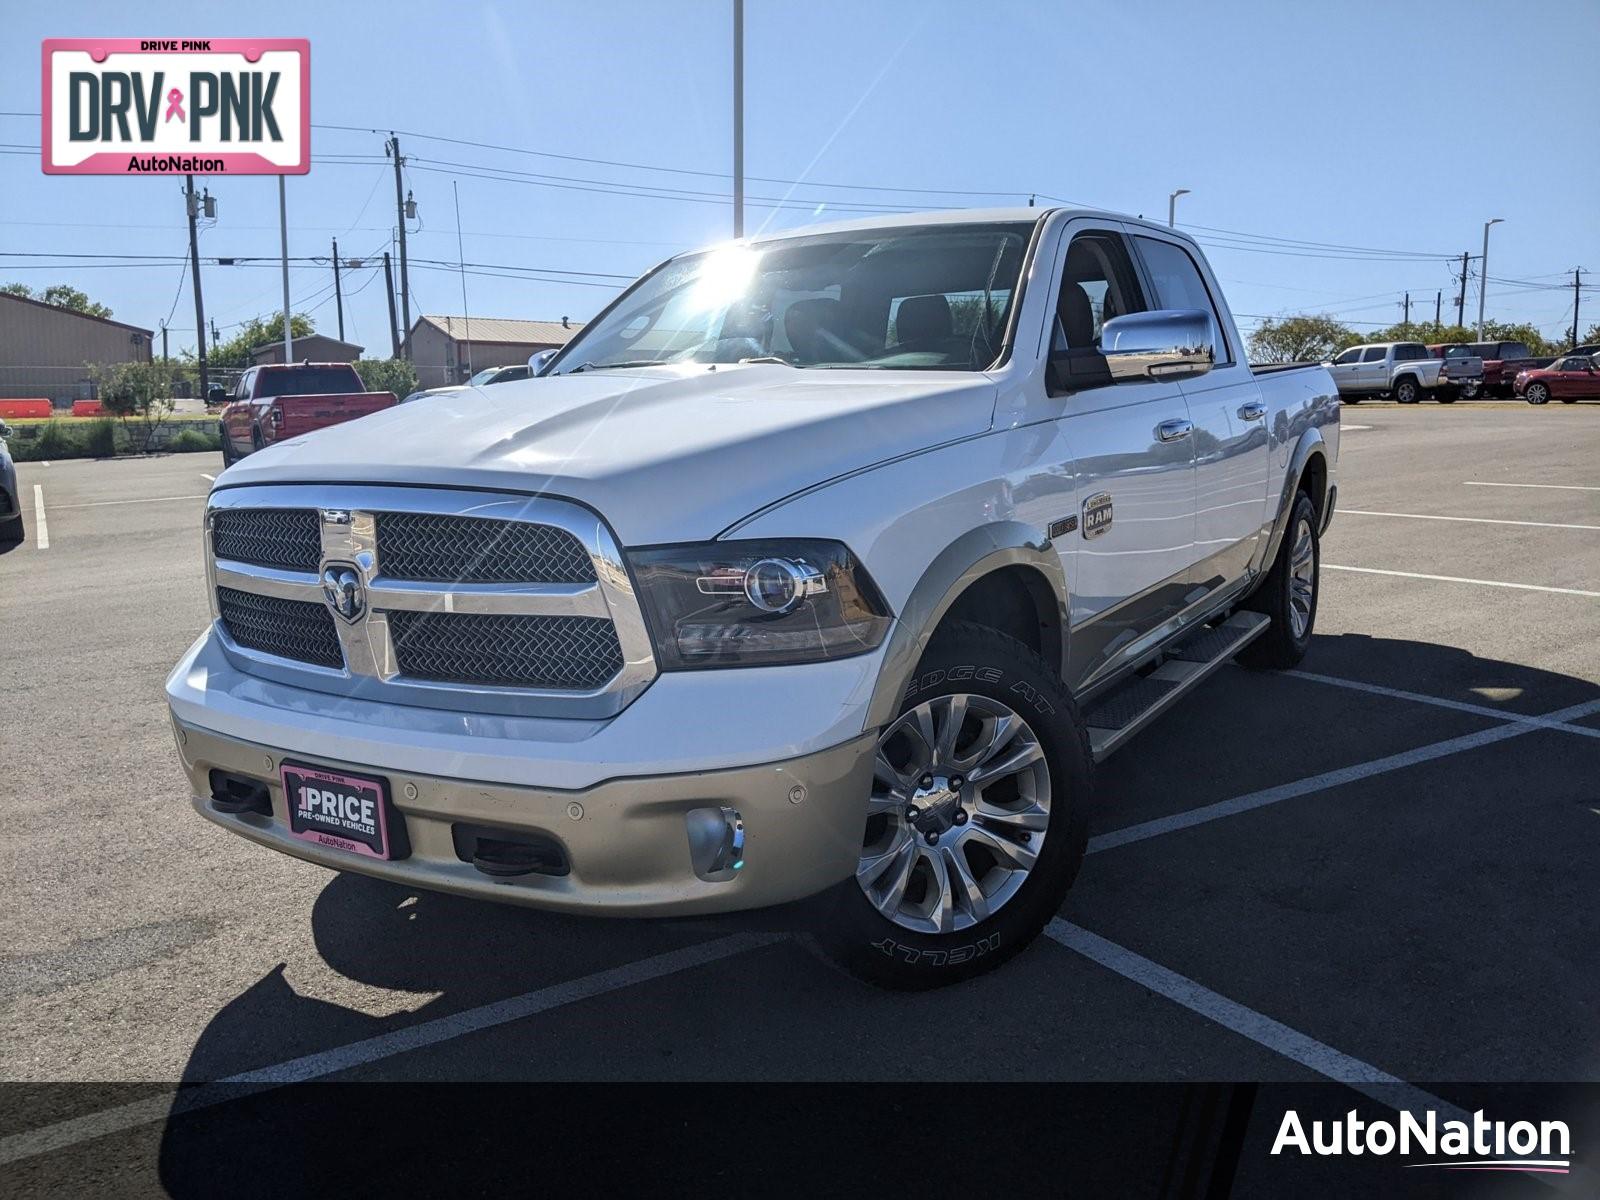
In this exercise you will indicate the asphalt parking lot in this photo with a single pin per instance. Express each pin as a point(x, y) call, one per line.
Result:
point(1377, 869)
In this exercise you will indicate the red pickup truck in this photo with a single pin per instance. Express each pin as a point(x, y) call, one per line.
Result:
point(1502, 361)
point(278, 401)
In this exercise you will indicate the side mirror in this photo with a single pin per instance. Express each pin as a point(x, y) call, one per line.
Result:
point(215, 395)
point(538, 360)
point(1173, 343)
point(5, 430)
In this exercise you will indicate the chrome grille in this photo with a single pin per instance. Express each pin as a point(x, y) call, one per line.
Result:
point(513, 651)
point(452, 549)
point(269, 537)
point(470, 601)
point(296, 629)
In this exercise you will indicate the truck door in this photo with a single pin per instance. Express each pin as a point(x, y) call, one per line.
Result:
point(1230, 424)
point(1345, 369)
point(1128, 547)
point(1373, 373)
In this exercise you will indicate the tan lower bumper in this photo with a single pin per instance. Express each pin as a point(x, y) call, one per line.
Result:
point(626, 840)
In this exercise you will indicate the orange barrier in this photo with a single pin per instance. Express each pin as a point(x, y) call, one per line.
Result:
point(26, 408)
point(86, 408)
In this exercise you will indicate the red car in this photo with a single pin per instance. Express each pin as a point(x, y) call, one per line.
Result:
point(277, 401)
point(1569, 379)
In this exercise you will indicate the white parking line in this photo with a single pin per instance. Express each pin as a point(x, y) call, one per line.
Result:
point(1560, 487)
point(212, 478)
point(61, 1134)
point(41, 528)
point(1499, 583)
point(141, 500)
point(1343, 428)
point(1251, 801)
point(1247, 1022)
point(1482, 710)
point(1359, 512)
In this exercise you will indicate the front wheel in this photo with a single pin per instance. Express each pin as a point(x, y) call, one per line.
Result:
point(1537, 393)
point(976, 825)
point(1288, 595)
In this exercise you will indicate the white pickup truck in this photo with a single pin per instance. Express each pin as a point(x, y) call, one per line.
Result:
point(823, 564)
point(1408, 371)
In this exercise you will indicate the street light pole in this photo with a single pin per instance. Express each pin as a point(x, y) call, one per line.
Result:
point(1172, 207)
point(1483, 280)
point(738, 118)
point(283, 236)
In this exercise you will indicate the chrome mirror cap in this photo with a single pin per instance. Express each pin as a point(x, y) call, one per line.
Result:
point(1169, 343)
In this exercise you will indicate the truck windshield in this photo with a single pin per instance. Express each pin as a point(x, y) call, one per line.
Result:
point(934, 298)
point(309, 381)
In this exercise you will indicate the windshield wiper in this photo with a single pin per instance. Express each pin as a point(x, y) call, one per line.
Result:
point(593, 366)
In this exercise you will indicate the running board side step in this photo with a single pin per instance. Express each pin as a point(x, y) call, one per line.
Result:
point(1116, 718)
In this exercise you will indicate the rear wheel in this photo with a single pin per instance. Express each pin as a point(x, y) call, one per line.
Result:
point(257, 442)
point(1567, 399)
point(1537, 393)
point(1350, 398)
point(228, 456)
point(1288, 595)
point(976, 824)
point(1446, 395)
point(1406, 391)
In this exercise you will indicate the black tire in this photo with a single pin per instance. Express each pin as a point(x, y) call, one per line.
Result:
point(1350, 399)
point(228, 457)
point(1567, 399)
point(1446, 395)
point(973, 660)
point(1407, 391)
point(11, 530)
point(257, 442)
point(1281, 647)
point(1536, 393)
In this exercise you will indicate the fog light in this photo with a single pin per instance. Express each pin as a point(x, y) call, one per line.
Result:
point(716, 842)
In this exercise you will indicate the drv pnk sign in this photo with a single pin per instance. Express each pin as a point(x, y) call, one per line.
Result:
point(208, 106)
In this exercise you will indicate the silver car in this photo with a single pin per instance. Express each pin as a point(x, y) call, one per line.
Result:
point(10, 493)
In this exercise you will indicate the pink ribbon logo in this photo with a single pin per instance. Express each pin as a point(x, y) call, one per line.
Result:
point(175, 105)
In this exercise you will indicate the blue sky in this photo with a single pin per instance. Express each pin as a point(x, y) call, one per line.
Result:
point(1390, 127)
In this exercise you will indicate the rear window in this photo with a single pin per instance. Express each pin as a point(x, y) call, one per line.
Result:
point(1461, 352)
point(309, 381)
point(1513, 350)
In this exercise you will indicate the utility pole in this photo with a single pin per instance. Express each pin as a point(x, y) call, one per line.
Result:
point(400, 207)
point(1483, 278)
point(1576, 272)
point(388, 279)
point(338, 296)
point(738, 118)
point(1438, 300)
point(1407, 322)
point(1461, 299)
point(461, 261)
point(193, 204)
point(163, 343)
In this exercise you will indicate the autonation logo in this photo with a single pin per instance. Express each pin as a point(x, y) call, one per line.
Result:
point(1476, 1145)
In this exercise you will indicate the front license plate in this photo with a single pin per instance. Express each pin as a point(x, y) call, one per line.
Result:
point(337, 809)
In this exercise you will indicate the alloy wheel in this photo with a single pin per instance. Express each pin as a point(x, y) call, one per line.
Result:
point(1302, 579)
point(959, 812)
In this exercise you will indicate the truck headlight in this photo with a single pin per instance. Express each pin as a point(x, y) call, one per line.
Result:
point(757, 603)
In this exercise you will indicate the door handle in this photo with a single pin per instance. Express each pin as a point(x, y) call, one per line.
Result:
point(1252, 411)
point(1174, 430)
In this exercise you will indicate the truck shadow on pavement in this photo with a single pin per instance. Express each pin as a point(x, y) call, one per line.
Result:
point(443, 954)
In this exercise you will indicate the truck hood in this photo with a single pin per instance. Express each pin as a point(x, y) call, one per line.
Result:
point(665, 454)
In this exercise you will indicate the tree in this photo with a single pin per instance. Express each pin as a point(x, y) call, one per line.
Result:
point(1528, 335)
point(1304, 338)
point(387, 375)
point(1592, 336)
point(62, 295)
point(139, 394)
point(258, 331)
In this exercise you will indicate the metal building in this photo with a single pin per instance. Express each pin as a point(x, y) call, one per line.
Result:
point(46, 351)
point(442, 353)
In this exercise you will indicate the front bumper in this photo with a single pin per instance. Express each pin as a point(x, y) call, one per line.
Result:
point(626, 841)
